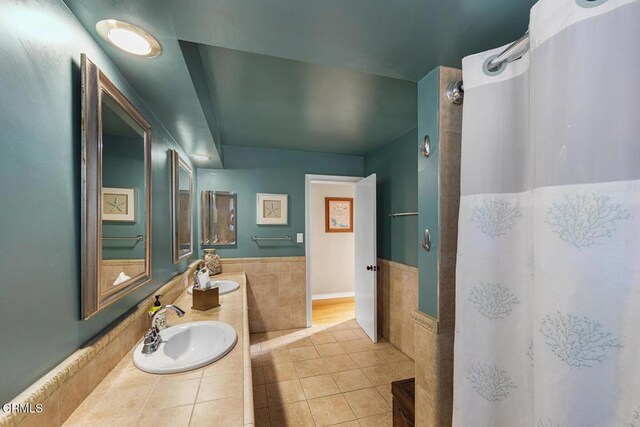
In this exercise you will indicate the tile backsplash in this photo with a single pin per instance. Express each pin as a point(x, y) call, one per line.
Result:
point(276, 291)
point(397, 299)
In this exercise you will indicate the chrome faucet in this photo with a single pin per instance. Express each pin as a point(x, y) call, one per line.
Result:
point(152, 337)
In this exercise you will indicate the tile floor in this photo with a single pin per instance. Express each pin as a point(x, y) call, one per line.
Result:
point(326, 375)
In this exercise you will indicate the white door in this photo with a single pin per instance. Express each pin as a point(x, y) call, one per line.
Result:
point(365, 256)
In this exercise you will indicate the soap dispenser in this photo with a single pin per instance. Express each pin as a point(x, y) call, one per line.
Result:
point(161, 319)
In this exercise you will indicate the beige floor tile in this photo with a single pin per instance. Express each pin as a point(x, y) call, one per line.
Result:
point(319, 386)
point(279, 372)
point(385, 392)
point(303, 353)
point(380, 420)
point(367, 358)
point(391, 354)
point(355, 346)
point(260, 397)
point(381, 374)
point(310, 368)
point(330, 349)
point(177, 416)
point(257, 375)
point(341, 362)
point(353, 423)
point(217, 413)
point(220, 387)
point(360, 333)
point(177, 393)
point(322, 338)
point(366, 402)
point(298, 341)
point(284, 392)
point(351, 380)
point(350, 324)
point(261, 417)
point(282, 355)
point(330, 410)
point(295, 414)
point(345, 335)
point(404, 369)
point(258, 359)
point(337, 326)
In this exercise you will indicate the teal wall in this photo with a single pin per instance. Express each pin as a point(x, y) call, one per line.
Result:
point(428, 119)
point(40, 191)
point(256, 170)
point(123, 167)
point(396, 168)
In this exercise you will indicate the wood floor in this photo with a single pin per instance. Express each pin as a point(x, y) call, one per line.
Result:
point(333, 310)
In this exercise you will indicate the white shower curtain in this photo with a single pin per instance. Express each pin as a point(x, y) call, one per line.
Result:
point(548, 274)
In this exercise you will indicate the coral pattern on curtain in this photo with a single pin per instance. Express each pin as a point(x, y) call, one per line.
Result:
point(548, 270)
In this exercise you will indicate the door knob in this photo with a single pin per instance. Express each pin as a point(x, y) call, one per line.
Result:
point(426, 240)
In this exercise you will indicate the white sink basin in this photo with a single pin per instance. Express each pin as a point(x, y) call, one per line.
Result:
point(225, 286)
point(187, 346)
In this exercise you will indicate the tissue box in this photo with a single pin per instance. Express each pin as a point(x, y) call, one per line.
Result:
point(206, 299)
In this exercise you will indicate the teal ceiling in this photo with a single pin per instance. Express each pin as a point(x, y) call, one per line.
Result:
point(269, 102)
point(303, 74)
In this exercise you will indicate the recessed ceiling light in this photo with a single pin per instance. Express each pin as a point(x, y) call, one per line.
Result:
point(129, 38)
point(200, 157)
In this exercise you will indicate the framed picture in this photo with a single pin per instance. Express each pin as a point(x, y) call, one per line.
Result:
point(272, 209)
point(119, 204)
point(338, 214)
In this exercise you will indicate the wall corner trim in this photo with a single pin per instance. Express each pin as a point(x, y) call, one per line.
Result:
point(426, 321)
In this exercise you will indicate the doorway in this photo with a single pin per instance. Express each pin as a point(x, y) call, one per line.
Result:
point(338, 287)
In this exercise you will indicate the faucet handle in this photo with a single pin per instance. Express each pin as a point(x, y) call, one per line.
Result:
point(149, 336)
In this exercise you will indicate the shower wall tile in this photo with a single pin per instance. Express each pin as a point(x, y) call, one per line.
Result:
point(397, 299)
point(450, 150)
point(434, 372)
point(450, 130)
point(276, 291)
point(451, 115)
point(434, 337)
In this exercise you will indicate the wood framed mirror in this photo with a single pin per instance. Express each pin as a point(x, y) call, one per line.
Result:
point(181, 207)
point(218, 210)
point(116, 193)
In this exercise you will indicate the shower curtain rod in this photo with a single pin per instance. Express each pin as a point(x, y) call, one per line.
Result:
point(511, 53)
point(455, 90)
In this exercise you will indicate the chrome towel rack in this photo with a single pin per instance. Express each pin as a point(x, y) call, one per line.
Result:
point(398, 214)
point(256, 238)
point(138, 238)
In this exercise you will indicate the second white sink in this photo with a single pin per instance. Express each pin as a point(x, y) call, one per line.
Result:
point(225, 286)
point(187, 346)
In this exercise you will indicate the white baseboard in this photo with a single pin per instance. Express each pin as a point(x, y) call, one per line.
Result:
point(335, 295)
